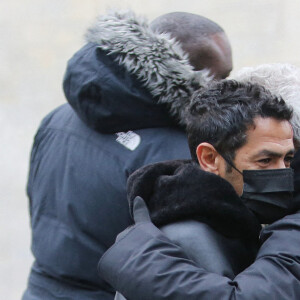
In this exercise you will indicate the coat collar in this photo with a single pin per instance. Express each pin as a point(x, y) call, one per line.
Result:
point(178, 190)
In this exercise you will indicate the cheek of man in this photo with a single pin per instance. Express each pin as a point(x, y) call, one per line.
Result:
point(269, 146)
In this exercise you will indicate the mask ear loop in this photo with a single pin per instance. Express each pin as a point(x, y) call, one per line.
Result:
point(231, 164)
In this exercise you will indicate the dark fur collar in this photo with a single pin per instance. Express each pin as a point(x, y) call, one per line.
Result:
point(178, 190)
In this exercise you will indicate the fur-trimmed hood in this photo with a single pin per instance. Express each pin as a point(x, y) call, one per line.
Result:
point(180, 190)
point(128, 74)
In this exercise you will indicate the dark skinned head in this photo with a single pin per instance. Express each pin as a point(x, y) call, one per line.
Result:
point(203, 40)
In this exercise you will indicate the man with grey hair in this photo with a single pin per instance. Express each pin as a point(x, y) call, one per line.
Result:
point(127, 90)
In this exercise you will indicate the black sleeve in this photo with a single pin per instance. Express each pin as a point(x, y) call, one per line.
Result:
point(145, 264)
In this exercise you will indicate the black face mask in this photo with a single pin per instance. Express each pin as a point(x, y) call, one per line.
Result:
point(268, 193)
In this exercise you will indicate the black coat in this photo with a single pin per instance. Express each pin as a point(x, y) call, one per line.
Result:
point(83, 153)
point(144, 264)
point(200, 212)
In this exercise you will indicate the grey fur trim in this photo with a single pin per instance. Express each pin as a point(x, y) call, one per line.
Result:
point(156, 59)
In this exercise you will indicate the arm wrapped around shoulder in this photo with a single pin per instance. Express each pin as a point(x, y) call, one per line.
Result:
point(145, 264)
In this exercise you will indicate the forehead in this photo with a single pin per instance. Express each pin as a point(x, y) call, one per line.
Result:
point(268, 134)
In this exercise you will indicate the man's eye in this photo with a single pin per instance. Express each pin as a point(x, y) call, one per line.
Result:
point(289, 159)
point(265, 160)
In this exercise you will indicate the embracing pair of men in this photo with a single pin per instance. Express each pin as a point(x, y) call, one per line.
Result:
point(130, 105)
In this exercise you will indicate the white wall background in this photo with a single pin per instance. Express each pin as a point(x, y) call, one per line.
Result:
point(37, 37)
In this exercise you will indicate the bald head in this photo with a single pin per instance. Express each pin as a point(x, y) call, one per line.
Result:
point(202, 39)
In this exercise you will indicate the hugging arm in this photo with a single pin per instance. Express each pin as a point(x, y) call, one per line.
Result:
point(145, 264)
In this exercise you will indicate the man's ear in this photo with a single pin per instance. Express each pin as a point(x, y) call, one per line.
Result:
point(208, 158)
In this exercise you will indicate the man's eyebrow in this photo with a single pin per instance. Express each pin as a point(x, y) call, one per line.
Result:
point(269, 153)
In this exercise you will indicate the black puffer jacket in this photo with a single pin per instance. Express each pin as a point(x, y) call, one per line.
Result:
point(127, 90)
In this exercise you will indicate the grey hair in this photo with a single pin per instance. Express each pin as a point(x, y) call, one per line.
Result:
point(281, 80)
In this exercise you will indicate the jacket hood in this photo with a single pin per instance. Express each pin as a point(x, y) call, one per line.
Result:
point(179, 190)
point(129, 77)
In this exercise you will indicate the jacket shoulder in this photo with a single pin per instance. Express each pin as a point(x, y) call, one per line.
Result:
point(208, 248)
